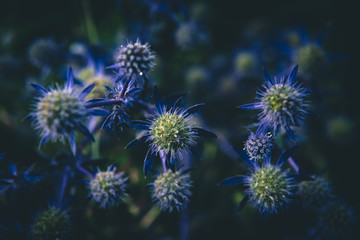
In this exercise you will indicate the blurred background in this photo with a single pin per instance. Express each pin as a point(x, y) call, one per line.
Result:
point(212, 51)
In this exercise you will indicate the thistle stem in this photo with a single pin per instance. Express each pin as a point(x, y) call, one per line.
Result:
point(63, 186)
point(83, 170)
point(293, 164)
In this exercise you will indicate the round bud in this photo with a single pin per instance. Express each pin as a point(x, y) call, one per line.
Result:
point(245, 63)
point(51, 224)
point(310, 58)
point(57, 111)
point(315, 193)
point(44, 53)
point(171, 190)
point(258, 146)
point(134, 58)
point(108, 188)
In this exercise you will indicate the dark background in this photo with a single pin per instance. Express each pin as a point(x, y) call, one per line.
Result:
point(212, 211)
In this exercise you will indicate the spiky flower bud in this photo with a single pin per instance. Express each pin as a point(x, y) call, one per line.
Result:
point(171, 132)
point(57, 111)
point(310, 58)
point(336, 221)
point(258, 145)
point(269, 188)
point(134, 58)
point(315, 193)
point(44, 53)
point(171, 190)
point(51, 224)
point(108, 187)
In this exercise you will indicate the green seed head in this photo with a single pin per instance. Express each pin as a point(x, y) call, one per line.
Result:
point(171, 132)
point(51, 224)
point(108, 188)
point(57, 111)
point(171, 190)
point(269, 188)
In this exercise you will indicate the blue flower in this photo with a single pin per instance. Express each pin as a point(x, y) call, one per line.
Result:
point(282, 103)
point(120, 98)
point(134, 58)
point(108, 188)
point(170, 132)
point(171, 190)
point(269, 188)
point(60, 111)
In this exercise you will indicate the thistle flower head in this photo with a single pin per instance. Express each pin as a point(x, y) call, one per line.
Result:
point(311, 58)
point(44, 53)
point(134, 58)
point(51, 224)
point(336, 221)
point(60, 111)
point(269, 188)
point(171, 190)
point(170, 132)
point(282, 103)
point(108, 187)
point(315, 193)
point(258, 145)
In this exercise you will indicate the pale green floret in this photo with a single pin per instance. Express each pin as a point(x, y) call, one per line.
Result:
point(281, 98)
point(57, 111)
point(51, 224)
point(269, 188)
point(310, 58)
point(171, 132)
point(171, 190)
point(315, 193)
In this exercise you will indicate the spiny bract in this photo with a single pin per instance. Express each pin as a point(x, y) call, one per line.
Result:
point(269, 188)
point(171, 190)
point(51, 224)
point(108, 187)
point(258, 145)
